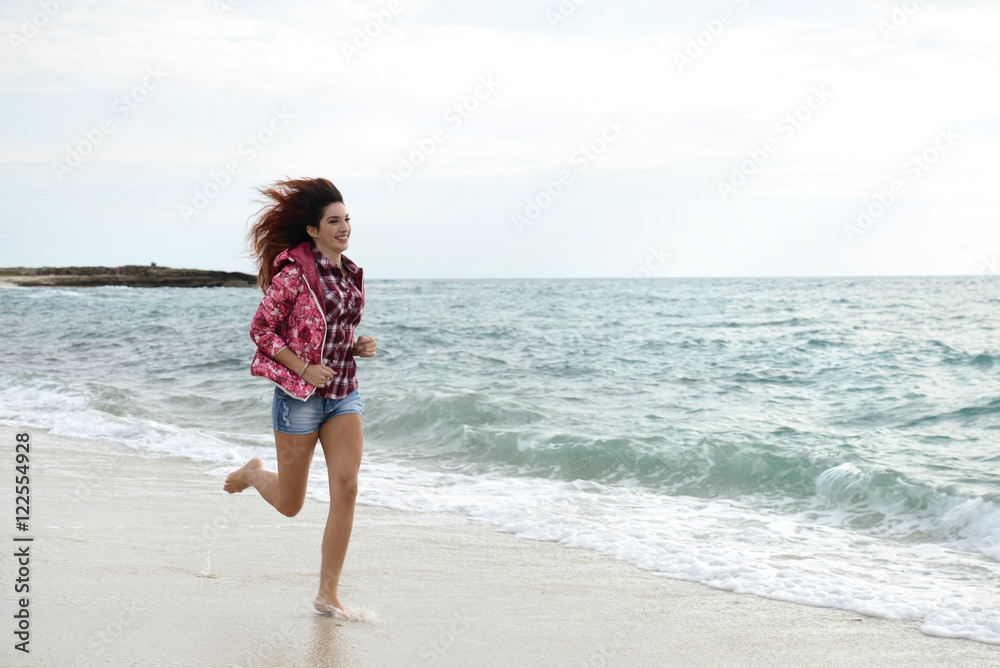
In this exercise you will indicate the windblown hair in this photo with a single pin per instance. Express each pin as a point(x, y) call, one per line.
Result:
point(281, 223)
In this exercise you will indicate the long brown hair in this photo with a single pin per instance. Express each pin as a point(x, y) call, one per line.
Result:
point(281, 223)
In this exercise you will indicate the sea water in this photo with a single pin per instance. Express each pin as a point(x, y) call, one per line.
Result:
point(832, 442)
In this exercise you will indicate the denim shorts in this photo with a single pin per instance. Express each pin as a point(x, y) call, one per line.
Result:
point(294, 416)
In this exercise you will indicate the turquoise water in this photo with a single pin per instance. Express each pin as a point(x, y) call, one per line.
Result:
point(826, 441)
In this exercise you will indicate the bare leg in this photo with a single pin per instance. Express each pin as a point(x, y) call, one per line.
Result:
point(286, 489)
point(342, 439)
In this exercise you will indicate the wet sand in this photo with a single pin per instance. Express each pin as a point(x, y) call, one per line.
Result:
point(139, 559)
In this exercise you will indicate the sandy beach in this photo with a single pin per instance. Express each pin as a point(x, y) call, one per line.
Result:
point(140, 559)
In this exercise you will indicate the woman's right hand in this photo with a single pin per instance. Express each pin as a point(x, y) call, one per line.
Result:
point(318, 375)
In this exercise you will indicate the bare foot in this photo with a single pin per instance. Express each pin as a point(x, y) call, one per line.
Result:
point(332, 607)
point(237, 480)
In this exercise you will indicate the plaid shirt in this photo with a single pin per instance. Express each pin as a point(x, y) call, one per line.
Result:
point(344, 302)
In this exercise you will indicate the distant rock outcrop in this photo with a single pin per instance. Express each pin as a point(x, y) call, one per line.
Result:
point(134, 276)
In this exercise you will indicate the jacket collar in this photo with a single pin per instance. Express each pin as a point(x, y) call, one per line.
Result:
point(302, 254)
point(317, 255)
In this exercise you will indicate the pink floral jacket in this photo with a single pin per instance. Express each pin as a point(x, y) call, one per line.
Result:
point(290, 315)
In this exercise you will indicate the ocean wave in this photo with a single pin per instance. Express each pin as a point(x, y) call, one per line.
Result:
point(825, 343)
point(111, 413)
point(724, 544)
point(474, 433)
point(887, 503)
point(979, 361)
point(964, 414)
point(983, 361)
point(956, 356)
point(788, 322)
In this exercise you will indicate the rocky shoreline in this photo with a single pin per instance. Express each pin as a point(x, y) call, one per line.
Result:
point(133, 276)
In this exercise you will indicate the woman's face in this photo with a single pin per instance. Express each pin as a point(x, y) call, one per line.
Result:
point(334, 228)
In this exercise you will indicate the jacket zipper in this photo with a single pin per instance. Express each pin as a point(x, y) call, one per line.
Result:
point(323, 313)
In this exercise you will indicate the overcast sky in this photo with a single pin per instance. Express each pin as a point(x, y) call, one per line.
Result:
point(509, 138)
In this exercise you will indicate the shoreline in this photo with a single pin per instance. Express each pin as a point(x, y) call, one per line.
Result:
point(140, 558)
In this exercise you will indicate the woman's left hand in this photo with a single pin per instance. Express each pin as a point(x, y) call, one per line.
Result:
point(364, 346)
